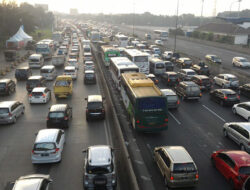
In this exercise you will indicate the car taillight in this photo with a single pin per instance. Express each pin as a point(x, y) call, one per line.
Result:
point(66, 118)
point(168, 80)
point(196, 176)
point(102, 110)
point(171, 178)
point(44, 95)
point(166, 119)
point(200, 94)
point(249, 143)
point(137, 121)
point(156, 81)
point(87, 110)
point(56, 150)
point(178, 102)
point(200, 82)
point(30, 95)
point(225, 97)
point(238, 97)
point(10, 114)
point(33, 152)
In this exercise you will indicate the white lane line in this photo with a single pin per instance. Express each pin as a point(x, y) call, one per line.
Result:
point(214, 113)
point(177, 121)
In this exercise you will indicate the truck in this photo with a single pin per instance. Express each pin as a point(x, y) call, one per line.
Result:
point(58, 60)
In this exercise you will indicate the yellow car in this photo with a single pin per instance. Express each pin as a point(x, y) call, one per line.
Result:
point(63, 86)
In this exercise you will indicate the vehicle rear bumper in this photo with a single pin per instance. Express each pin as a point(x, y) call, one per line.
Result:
point(36, 160)
point(182, 183)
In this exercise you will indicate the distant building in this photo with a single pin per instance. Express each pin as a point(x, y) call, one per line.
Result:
point(73, 11)
point(44, 6)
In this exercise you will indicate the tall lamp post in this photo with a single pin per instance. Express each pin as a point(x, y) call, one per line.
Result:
point(202, 3)
point(176, 24)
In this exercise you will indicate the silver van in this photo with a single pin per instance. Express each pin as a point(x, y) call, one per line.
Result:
point(239, 132)
point(172, 98)
point(48, 72)
point(176, 166)
point(10, 111)
point(36, 61)
point(48, 146)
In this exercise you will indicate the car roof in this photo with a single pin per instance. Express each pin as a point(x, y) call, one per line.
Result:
point(48, 67)
point(247, 103)
point(178, 154)
point(38, 89)
point(94, 98)
point(72, 60)
point(227, 91)
point(35, 55)
point(70, 68)
point(23, 68)
point(89, 71)
point(47, 135)
point(171, 73)
point(240, 57)
point(58, 107)
point(202, 76)
point(99, 155)
point(34, 77)
point(4, 80)
point(151, 75)
point(184, 58)
point(4, 104)
point(189, 83)
point(228, 75)
point(28, 184)
point(241, 158)
point(87, 53)
point(188, 70)
point(168, 92)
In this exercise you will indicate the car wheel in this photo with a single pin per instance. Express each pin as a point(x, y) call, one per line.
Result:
point(221, 103)
point(234, 111)
point(225, 133)
point(242, 147)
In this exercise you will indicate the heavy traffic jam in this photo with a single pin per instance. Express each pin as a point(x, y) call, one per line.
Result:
point(153, 83)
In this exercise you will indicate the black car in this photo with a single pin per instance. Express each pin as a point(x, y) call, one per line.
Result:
point(95, 108)
point(245, 90)
point(203, 81)
point(175, 56)
point(224, 97)
point(170, 78)
point(59, 116)
point(35, 81)
point(89, 77)
point(169, 66)
point(201, 70)
point(23, 73)
point(7, 86)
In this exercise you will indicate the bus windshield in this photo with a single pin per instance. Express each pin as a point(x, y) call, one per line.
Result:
point(152, 104)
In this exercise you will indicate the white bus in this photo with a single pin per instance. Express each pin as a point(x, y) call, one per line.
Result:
point(141, 59)
point(122, 40)
point(157, 66)
point(46, 48)
point(119, 65)
point(161, 35)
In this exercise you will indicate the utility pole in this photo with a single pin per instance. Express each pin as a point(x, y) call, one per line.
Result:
point(176, 24)
point(239, 9)
point(202, 3)
point(133, 18)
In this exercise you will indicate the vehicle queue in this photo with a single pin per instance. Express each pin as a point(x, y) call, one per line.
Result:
point(143, 99)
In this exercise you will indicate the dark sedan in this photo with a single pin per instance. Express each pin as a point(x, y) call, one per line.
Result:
point(170, 78)
point(224, 97)
point(245, 90)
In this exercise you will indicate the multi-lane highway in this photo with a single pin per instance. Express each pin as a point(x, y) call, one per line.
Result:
point(16, 140)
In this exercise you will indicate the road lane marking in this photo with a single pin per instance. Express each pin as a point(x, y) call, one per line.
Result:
point(145, 178)
point(139, 162)
point(177, 121)
point(211, 111)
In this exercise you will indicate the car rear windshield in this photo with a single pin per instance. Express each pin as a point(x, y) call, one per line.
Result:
point(21, 71)
point(33, 81)
point(193, 88)
point(62, 83)
point(231, 95)
point(245, 170)
point(89, 75)
point(44, 146)
point(94, 105)
point(56, 114)
point(37, 93)
point(160, 66)
point(232, 79)
point(2, 85)
point(172, 98)
point(184, 168)
point(188, 62)
point(173, 76)
point(190, 73)
point(69, 71)
point(4, 110)
point(100, 169)
point(34, 60)
point(205, 81)
point(152, 104)
point(46, 71)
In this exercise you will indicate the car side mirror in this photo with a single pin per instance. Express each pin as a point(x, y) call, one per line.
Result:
point(85, 98)
point(84, 151)
point(104, 98)
point(36, 133)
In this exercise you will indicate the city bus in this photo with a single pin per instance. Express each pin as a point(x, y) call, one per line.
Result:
point(57, 37)
point(141, 59)
point(122, 40)
point(144, 102)
point(119, 65)
point(108, 52)
point(157, 66)
point(95, 36)
point(46, 48)
point(161, 35)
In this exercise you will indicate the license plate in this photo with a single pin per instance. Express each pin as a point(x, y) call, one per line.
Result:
point(100, 182)
point(45, 154)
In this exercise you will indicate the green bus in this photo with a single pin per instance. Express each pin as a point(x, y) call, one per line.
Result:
point(108, 52)
point(145, 104)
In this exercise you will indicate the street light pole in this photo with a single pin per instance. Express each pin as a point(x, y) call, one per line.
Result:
point(239, 9)
point(176, 23)
point(133, 18)
point(202, 3)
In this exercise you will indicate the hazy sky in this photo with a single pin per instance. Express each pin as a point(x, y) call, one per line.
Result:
point(166, 7)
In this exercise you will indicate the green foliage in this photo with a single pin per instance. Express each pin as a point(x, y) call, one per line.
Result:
point(179, 32)
point(40, 34)
point(210, 36)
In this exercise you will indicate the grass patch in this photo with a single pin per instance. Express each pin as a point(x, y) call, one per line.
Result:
point(41, 34)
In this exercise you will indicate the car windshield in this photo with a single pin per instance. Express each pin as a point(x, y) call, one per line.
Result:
point(56, 114)
point(243, 60)
point(94, 105)
point(2, 85)
point(69, 71)
point(187, 61)
point(245, 170)
point(172, 76)
point(205, 81)
point(4, 110)
point(232, 79)
point(184, 168)
point(34, 60)
point(44, 146)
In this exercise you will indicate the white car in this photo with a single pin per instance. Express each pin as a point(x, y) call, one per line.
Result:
point(71, 71)
point(73, 62)
point(40, 95)
point(159, 42)
point(89, 65)
point(226, 81)
point(242, 109)
point(241, 62)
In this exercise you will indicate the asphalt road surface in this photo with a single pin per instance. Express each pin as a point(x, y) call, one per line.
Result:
point(16, 140)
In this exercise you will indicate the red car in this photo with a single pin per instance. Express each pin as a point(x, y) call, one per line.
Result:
point(234, 166)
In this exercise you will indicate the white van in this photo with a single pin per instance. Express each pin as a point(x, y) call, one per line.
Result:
point(48, 72)
point(48, 146)
point(71, 71)
point(36, 61)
